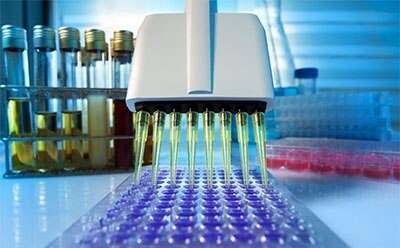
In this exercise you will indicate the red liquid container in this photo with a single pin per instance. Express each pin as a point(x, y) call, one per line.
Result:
point(276, 158)
point(123, 126)
point(376, 166)
point(348, 164)
point(321, 162)
point(396, 167)
point(298, 160)
point(276, 162)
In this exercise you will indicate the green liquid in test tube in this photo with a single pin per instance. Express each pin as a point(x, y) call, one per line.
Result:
point(174, 139)
point(225, 119)
point(142, 128)
point(192, 127)
point(242, 124)
point(158, 132)
point(209, 135)
point(259, 128)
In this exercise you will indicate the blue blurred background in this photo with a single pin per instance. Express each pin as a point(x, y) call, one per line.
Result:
point(355, 44)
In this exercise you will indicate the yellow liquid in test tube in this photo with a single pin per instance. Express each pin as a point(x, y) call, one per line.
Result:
point(72, 150)
point(47, 152)
point(19, 123)
point(98, 126)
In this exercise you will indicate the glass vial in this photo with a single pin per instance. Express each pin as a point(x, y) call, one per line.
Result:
point(19, 113)
point(121, 61)
point(98, 118)
point(306, 80)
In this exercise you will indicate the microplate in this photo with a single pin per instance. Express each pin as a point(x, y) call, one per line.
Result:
point(199, 215)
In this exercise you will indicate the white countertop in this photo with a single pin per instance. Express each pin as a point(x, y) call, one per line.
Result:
point(364, 213)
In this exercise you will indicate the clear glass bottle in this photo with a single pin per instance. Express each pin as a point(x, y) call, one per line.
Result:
point(72, 150)
point(19, 114)
point(98, 119)
point(282, 64)
point(121, 61)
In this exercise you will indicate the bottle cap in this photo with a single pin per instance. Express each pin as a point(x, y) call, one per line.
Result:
point(44, 37)
point(69, 38)
point(310, 72)
point(95, 39)
point(13, 37)
point(122, 41)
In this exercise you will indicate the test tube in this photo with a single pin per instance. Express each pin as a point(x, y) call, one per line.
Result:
point(69, 40)
point(121, 57)
point(98, 119)
point(74, 110)
point(192, 119)
point(83, 83)
point(209, 136)
point(72, 152)
point(44, 73)
point(19, 126)
point(158, 133)
point(46, 151)
point(225, 119)
point(259, 128)
point(242, 124)
point(16, 73)
point(142, 127)
point(174, 139)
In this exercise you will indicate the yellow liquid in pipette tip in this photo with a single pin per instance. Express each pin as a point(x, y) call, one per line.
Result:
point(192, 128)
point(209, 137)
point(259, 128)
point(142, 127)
point(174, 139)
point(242, 124)
point(141, 124)
point(158, 133)
point(225, 119)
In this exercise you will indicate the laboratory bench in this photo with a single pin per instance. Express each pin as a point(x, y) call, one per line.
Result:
point(362, 212)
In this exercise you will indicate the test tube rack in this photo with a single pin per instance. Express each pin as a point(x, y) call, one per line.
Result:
point(35, 139)
point(372, 159)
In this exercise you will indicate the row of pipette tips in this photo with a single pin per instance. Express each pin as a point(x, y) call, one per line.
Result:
point(142, 119)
